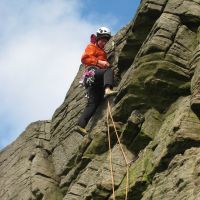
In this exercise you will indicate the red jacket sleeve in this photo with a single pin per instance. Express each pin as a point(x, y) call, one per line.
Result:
point(89, 56)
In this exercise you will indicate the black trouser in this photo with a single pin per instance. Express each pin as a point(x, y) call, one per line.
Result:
point(103, 79)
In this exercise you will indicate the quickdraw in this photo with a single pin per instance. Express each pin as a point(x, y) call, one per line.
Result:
point(88, 78)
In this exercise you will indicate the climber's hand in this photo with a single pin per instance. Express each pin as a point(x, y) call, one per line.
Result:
point(103, 63)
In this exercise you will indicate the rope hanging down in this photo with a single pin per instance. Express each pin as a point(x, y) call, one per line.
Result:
point(110, 152)
point(122, 150)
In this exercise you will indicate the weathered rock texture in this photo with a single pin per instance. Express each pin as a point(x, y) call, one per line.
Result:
point(156, 59)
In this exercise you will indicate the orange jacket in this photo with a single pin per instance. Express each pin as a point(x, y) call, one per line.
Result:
point(92, 54)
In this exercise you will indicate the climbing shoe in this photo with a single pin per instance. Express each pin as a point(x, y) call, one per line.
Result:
point(81, 130)
point(109, 92)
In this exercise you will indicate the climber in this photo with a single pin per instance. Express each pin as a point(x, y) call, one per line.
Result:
point(99, 76)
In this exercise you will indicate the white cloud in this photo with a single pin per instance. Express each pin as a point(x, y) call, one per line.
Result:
point(40, 47)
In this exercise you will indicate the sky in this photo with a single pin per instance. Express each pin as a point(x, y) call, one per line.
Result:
point(41, 43)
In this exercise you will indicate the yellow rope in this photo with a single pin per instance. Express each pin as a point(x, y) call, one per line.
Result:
point(109, 108)
point(111, 167)
point(127, 181)
point(124, 155)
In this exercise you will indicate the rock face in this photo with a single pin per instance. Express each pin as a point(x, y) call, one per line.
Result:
point(156, 59)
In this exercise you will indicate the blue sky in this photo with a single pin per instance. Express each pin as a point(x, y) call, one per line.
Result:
point(41, 42)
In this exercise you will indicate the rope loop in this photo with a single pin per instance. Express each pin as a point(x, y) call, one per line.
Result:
point(109, 114)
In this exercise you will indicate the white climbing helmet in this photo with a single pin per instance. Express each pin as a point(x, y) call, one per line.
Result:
point(103, 32)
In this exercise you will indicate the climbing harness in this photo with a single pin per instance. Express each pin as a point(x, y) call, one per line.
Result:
point(109, 114)
point(87, 79)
